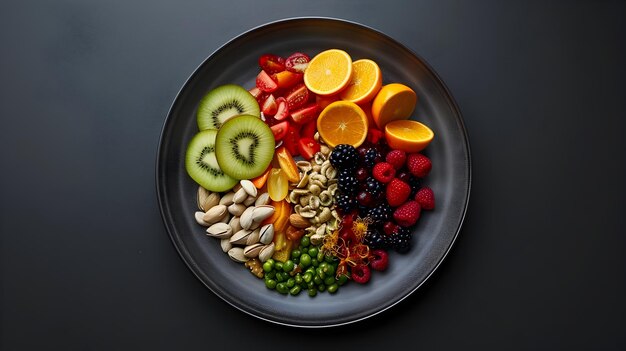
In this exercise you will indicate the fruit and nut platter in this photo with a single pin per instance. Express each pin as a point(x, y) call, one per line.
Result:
point(314, 177)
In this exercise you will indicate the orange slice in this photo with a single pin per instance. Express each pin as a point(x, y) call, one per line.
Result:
point(328, 72)
point(394, 101)
point(342, 122)
point(408, 135)
point(365, 83)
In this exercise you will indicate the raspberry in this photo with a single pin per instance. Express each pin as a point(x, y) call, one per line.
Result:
point(407, 214)
point(396, 158)
point(384, 172)
point(379, 260)
point(361, 273)
point(389, 227)
point(418, 164)
point(426, 198)
point(397, 192)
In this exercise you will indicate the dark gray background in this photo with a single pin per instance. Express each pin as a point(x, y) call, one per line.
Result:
point(86, 263)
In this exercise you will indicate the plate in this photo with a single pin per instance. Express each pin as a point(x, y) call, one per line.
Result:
point(236, 62)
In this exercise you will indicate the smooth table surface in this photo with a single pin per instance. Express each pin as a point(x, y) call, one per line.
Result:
point(86, 263)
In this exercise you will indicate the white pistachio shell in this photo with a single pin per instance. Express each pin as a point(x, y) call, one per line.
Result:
point(240, 196)
point(227, 199)
point(266, 234)
point(266, 252)
point(226, 245)
point(249, 187)
point(236, 254)
point(241, 237)
point(246, 218)
point(236, 209)
point(220, 230)
point(215, 214)
point(254, 237)
point(253, 250)
point(262, 212)
point(262, 199)
point(199, 215)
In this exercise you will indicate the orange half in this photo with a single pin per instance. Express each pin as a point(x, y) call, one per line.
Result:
point(394, 101)
point(342, 122)
point(328, 72)
point(408, 135)
point(365, 83)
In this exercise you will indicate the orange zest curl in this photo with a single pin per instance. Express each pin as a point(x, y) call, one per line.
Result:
point(359, 227)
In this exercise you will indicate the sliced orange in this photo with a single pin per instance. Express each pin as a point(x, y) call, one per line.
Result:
point(394, 101)
point(342, 122)
point(366, 81)
point(408, 135)
point(328, 72)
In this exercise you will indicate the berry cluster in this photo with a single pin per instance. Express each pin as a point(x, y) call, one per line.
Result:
point(382, 188)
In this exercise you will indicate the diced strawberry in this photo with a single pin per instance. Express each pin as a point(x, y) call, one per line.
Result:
point(280, 130)
point(297, 97)
point(307, 147)
point(282, 111)
point(305, 114)
point(291, 139)
point(271, 63)
point(270, 106)
point(258, 94)
point(308, 129)
point(265, 82)
point(286, 79)
point(297, 62)
point(374, 135)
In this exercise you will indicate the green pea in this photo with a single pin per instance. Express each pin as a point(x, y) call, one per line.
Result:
point(320, 256)
point(333, 288)
point(295, 253)
point(305, 260)
point(295, 290)
point(270, 274)
point(281, 276)
point(317, 280)
point(342, 279)
point(310, 285)
point(313, 251)
point(315, 262)
point(321, 287)
point(305, 241)
point(307, 277)
point(267, 266)
point(299, 279)
point(278, 266)
point(310, 270)
point(291, 282)
point(329, 269)
point(329, 258)
point(270, 283)
point(282, 288)
point(329, 281)
point(312, 292)
point(288, 266)
point(320, 273)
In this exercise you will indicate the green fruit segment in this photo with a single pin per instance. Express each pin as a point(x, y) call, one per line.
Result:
point(223, 103)
point(244, 147)
point(202, 165)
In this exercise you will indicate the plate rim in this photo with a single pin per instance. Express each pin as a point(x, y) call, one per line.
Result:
point(179, 245)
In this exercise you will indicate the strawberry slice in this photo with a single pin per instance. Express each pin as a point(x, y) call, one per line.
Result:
point(297, 62)
point(258, 94)
point(265, 82)
point(305, 114)
point(307, 147)
point(271, 63)
point(291, 139)
point(297, 97)
point(286, 79)
point(270, 106)
point(282, 111)
point(280, 130)
point(308, 129)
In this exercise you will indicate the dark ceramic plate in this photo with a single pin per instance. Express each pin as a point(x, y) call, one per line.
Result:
point(236, 62)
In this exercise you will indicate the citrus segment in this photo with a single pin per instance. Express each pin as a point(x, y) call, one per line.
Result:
point(408, 135)
point(342, 122)
point(328, 72)
point(394, 101)
point(365, 83)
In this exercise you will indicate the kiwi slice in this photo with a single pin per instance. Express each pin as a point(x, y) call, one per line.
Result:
point(202, 166)
point(244, 147)
point(223, 103)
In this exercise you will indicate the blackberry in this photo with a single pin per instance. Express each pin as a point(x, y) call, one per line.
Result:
point(344, 156)
point(375, 239)
point(380, 213)
point(402, 242)
point(347, 185)
point(373, 186)
point(345, 203)
point(372, 156)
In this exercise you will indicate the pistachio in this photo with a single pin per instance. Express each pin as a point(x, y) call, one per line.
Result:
point(266, 252)
point(246, 218)
point(314, 189)
point(236, 209)
point(307, 212)
point(325, 198)
point(318, 183)
point(298, 221)
point(262, 212)
point(201, 196)
point(254, 237)
point(332, 189)
point(262, 199)
point(207, 199)
point(321, 230)
point(314, 202)
point(304, 180)
point(319, 158)
point(249, 201)
point(325, 215)
point(220, 230)
point(317, 168)
point(253, 250)
point(225, 244)
point(249, 187)
point(315, 220)
point(240, 196)
point(235, 224)
point(316, 239)
point(241, 237)
point(304, 200)
point(324, 149)
point(214, 214)
point(293, 197)
point(226, 218)
point(304, 166)
point(227, 199)
point(255, 225)
point(320, 177)
point(328, 170)
point(236, 254)
point(199, 215)
point(266, 233)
